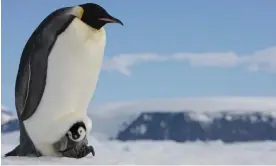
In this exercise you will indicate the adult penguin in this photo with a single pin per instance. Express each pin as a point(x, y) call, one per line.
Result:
point(57, 76)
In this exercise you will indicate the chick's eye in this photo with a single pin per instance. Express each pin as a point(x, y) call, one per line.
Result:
point(80, 130)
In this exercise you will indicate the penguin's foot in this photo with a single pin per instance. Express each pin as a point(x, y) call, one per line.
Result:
point(14, 152)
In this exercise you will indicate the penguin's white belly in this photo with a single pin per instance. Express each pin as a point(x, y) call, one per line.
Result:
point(73, 69)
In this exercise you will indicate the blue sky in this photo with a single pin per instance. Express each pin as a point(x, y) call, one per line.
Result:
point(166, 49)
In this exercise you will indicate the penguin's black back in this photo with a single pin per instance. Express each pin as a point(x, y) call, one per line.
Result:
point(32, 71)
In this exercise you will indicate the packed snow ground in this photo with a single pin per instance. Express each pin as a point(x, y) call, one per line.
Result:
point(157, 152)
point(107, 121)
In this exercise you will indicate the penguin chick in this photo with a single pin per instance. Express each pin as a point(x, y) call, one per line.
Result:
point(77, 132)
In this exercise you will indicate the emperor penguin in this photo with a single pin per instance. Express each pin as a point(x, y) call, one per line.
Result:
point(57, 76)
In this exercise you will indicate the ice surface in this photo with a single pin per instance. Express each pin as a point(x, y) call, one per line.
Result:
point(157, 152)
point(107, 121)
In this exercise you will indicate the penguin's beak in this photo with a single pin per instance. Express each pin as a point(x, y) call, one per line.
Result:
point(111, 20)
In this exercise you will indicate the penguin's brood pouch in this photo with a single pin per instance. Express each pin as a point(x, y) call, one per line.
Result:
point(74, 143)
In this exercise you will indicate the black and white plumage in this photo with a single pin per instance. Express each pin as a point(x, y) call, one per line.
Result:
point(57, 76)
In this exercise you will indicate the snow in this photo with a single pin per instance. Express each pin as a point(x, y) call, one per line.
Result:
point(108, 119)
point(157, 152)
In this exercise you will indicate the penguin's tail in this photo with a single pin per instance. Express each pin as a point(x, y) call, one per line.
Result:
point(14, 152)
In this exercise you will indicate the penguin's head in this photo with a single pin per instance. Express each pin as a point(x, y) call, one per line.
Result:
point(96, 16)
point(77, 132)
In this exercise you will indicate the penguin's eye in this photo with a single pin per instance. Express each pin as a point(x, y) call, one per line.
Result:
point(80, 130)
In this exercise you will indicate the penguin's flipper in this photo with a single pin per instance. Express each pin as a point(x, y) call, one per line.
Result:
point(32, 72)
point(61, 145)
